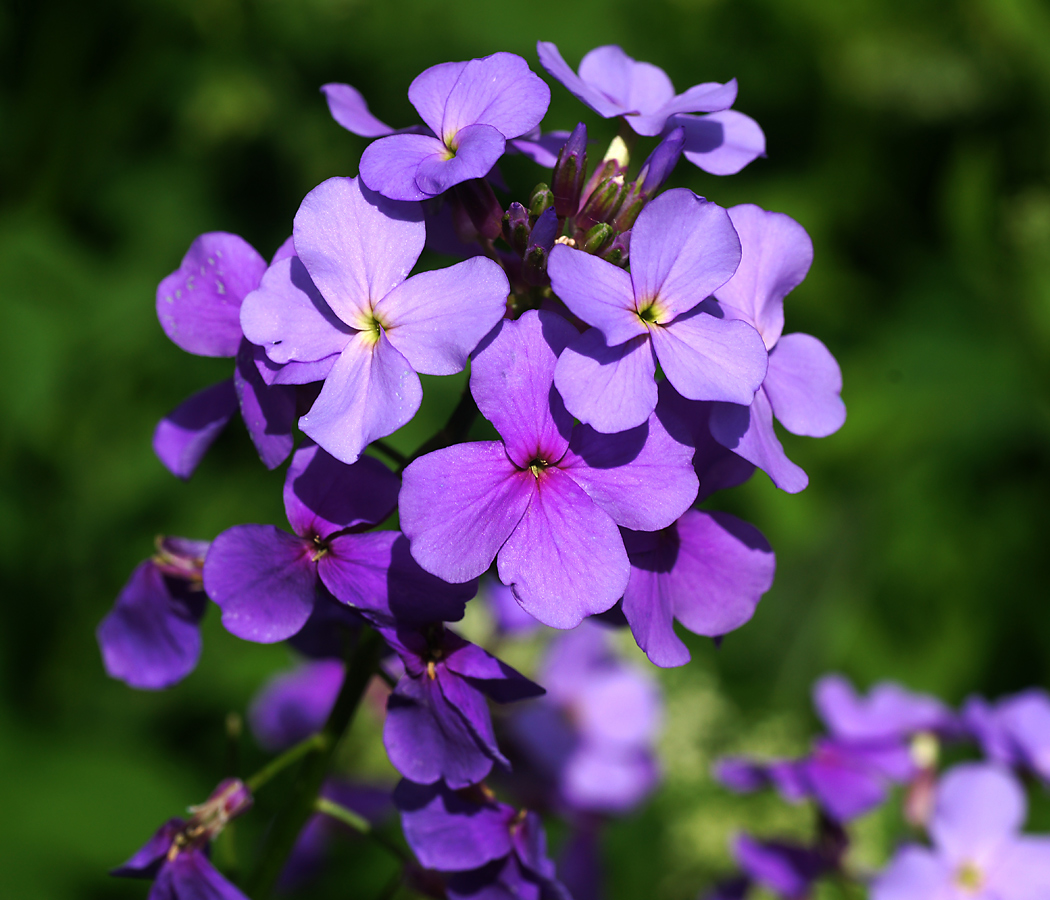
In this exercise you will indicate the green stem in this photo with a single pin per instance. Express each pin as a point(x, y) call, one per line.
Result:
point(310, 777)
point(359, 823)
point(390, 453)
point(279, 763)
point(455, 429)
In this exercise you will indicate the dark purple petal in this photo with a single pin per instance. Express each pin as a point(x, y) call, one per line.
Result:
point(742, 776)
point(371, 391)
point(459, 505)
point(356, 245)
point(199, 303)
point(660, 163)
point(512, 380)
point(450, 833)
point(497, 90)
point(597, 291)
point(776, 253)
point(268, 411)
point(803, 384)
point(589, 95)
point(542, 149)
point(478, 147)
point(151, 638)
point(263, 579)
point(786, 869)
point(389, 165)
point(350, 110)
point(845, 785)
point(288, 316)
point(323, 495)
point(435, 319)
point(190, 876)
point(491, 676)
point(297, 373)
point(184, 435)
point(466, 698)
point(148, 859)
point(565, 559)
point(721, 143)
point(293, 705)
point(748, 432)
point(643, 478)
point(326, 632)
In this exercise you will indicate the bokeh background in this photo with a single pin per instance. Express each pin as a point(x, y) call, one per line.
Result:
point(911, 138)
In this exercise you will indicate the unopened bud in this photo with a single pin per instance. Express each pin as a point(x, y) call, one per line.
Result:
point(516, 228)
point(540, 199)
point(596, 238)
point(544, 234)
point(661, 162)
point(602, 205)
point(569, 172)
point(179, 557)
point(618, 252)
point(630, 207)
point(479, 202)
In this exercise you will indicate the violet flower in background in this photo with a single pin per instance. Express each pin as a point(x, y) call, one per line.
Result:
point(683, 248)
point(977, 850)
point(591, 741)
point(151, 638)
point(803, 382)
point(267, 581)
point(438, 725)
point(345, 302)
point(294, 704)
point(1014, 731)
point(889, 714)
point(509, 617)
point(788, 870)
point(473, 108)
point(198, 306)
point(546, 500)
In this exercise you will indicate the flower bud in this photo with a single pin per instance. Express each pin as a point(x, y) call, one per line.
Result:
point(476, 198)
point(661, 162)
point(602, 205)
point(516, 228)
point(618, 252)
point(180, 557)
point(544, 234)
point(569, 171)
point(596, 238)
point(540, 199)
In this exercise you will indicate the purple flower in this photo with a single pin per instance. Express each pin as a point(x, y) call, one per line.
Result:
point(267, 581)
point(294, 704)
point(720, 143)
point(613, 84)
point(802, 386)
point(683, 248)
point(198, 306)
point(491, 850)
point(977, 851)
point(510, 618)
point(889, 713)
point(471, 108)
point(548, 497)
point(438, 725)
point(344, 304)
point(1015, 731)
point(176, 857)
point(591, 739)
point(788, 870)
point(151, 638)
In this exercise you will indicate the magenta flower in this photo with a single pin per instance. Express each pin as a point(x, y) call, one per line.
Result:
point(683, 248)
point(547, 498)
point(977, 852)
point(613, 84)
point(198, 306)
point(472, 109)
point(345, 304)
point(803, 383)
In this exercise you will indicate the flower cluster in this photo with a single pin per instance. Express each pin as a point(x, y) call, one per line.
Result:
point(625, 345)
point(963, 824)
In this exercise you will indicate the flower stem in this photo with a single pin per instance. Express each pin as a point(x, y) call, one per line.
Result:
point(455, 429)
point(390, 453)
point(285, 829)
point(278, 764)
point(359, 823)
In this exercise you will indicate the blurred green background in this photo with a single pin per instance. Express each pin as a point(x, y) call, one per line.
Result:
point(911, 138)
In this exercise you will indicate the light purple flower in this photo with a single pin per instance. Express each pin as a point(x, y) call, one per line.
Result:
point(438, 725)
point(510, 618)
point(471, 108)
point(198, 306)
point(1015, 731)
point(345, 304)
point(547, 498)
point(591, 739)
point(683, 248)
point(720, 143)
point(889, 712)
point(267, 581)
point(151, 638)
point(803, 383)
point(613, 84)
point(978, 852)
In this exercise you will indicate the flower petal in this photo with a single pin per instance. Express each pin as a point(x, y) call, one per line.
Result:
point(430, 89)
point(389, 165)
point(721, 143)
point(979, 806)
point(370, 393)
point(597, 291)
point(198, 304)
point(478, 147)
point(437, 318)
point(915, 873)
point(184, 435)
point(565, 559)
point(498, 90)
point(803, 385)
point(268, 411)
point(350, 110)
point(587, 94)
point(294, 704)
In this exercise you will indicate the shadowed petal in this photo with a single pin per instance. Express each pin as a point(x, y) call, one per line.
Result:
point(370, 393)
point(803, 385)
point(470, 703)
point(498, 90)
point(610, 388)
point(190, 876)
point(587, 94)
point(437, 318)
point(268, 410)
point(683, 248)
point(478, 147)
point(389, 165)
point(721, 143)
point(294, 704)
point(357, 245)
point(323, 495)
point(649, 598)
point(706, 358)
point(184, 435)
point(492, 676)
point(565, 560)
point(264, 581)
point(350, 110)
point(748, 432)
point(597, 291)
point(289, 317)
point(459, 505)
point(199, 303)
point(776, 253)
point(512, 380)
